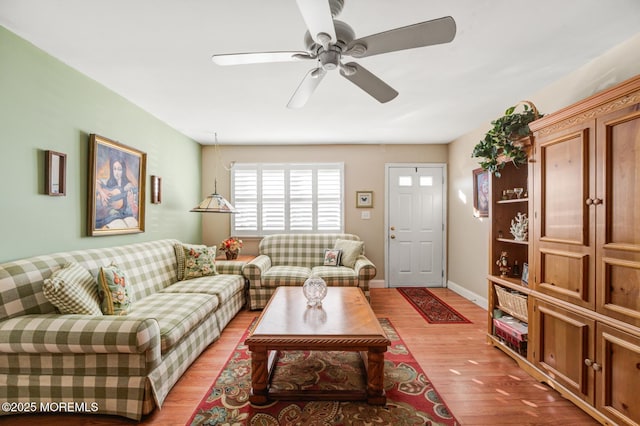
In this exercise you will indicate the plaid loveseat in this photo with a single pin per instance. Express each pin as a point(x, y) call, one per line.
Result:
point(289, 259)
point(123, 365)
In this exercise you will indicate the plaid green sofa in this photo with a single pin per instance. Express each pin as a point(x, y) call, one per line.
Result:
point(122, 365)
point(289, 259)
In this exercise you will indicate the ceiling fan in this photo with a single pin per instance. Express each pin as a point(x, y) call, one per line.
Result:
point(328, 40)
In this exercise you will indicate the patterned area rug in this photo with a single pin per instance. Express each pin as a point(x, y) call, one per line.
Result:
point(411, 398)
point(434, 310)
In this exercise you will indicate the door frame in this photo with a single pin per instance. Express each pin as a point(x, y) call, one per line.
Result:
point(445, 203)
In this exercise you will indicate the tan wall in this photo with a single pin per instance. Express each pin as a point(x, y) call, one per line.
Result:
point(364, 167)
point(468, 236)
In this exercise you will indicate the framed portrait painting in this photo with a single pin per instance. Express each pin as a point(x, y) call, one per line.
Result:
point(480, 193)
point(116, 187)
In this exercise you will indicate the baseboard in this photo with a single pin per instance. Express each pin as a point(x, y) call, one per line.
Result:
point(473, 297)
point(377, 284)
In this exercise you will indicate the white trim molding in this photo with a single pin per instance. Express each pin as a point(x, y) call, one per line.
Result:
point(469, 295)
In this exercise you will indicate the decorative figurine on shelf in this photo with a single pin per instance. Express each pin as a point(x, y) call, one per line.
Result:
point(518, 192)
point(503, 264)
point(515, 271)
point(231, 247)
point(520, 227)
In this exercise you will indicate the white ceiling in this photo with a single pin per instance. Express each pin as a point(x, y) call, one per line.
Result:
point(156, 53)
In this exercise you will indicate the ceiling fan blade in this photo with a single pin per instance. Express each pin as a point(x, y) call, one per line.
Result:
point(368, 82)
point(260, 57)
point(437, 31)
point(317, 16)
point(306, 88)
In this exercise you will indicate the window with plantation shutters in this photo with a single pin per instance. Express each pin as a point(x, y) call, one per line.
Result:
point(276, 198)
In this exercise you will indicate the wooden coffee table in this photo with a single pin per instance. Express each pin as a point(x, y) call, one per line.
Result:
point(345, 323)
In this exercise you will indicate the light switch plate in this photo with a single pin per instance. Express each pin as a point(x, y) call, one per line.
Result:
point(365, 215)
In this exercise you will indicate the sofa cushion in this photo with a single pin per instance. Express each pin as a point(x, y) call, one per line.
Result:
point(299, 249)
point(340, 276)
point(176, 313)
point(277, 276)
point(222, 286)
point(114, 291)
point(350, 251)
point(73, 290)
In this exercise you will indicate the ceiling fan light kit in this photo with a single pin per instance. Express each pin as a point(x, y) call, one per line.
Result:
point(327, 40)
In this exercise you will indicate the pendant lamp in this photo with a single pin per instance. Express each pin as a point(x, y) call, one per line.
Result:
point(215, 203)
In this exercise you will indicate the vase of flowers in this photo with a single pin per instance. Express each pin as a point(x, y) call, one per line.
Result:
point(231, 247)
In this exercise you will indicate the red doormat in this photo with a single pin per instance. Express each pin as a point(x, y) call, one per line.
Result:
point(411, 398)
point(434, 310)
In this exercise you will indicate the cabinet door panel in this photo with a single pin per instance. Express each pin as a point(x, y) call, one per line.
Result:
point(618, 215)
point(622, 178)
point(564, 188)
point(563, 217)
point(618, 385)
point(564, 272)
point(563, 341)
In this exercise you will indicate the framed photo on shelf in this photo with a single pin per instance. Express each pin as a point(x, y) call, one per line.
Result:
point(116, 188)
point(525, 274)
point(364, 199)
point(480, 193)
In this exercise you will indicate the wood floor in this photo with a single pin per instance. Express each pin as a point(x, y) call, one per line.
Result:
point(480, 384)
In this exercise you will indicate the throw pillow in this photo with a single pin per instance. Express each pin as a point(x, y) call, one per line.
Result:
point(114, 290)
point(72, 290)
point(350, 251)
point(178, 248)
point(199, 261)
point(332, 257)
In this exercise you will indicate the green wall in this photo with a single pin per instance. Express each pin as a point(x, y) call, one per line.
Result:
point(46, 105)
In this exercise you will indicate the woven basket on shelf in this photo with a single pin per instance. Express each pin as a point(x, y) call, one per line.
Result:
point(516, 303)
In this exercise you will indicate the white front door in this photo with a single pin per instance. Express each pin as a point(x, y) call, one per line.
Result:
point(415, 254)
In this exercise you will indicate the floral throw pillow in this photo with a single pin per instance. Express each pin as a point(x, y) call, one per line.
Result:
point(72, 290)
point(114, 290)
point(332, 257)
point(199, 261)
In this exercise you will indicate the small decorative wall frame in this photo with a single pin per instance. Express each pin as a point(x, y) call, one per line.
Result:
point(55, 173)
point(117, 175)
point(156, 189)
point(480, 193)
point(364, 199)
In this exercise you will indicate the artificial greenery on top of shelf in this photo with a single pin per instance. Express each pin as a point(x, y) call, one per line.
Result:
point(498, 146)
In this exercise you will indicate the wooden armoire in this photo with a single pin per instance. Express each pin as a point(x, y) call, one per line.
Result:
point(583, 293)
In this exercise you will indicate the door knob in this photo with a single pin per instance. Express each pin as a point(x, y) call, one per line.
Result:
point(393, 237)
point(393, 228)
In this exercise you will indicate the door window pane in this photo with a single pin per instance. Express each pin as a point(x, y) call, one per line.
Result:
point(426, 180)
point(405, 180)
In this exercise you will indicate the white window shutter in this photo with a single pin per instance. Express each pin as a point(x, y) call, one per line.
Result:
point(245, 197)
point(288, 197)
